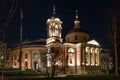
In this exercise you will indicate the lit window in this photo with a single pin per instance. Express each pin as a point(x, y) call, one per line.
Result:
point(35, 55)
point(71, 61)
point(71, 56)
point(71, 50)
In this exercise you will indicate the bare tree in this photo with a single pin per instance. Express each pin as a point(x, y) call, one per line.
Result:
point(114, 37)
point(113, 24)
point(7, 10)
point(55, 61)
point(116, 32)
point(2, 57)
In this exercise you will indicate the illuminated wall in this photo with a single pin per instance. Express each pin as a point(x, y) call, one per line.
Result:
point(31, 57)
point(54, 30)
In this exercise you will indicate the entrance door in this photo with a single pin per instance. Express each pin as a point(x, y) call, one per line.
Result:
point(26, 65)
point(35, 65)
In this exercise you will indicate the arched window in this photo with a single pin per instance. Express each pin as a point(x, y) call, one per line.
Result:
point(71, 56)
point(70, 50)
point(76, 37)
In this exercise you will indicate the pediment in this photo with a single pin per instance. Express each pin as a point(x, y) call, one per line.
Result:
point(94, 42)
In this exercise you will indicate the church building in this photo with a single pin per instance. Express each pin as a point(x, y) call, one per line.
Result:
point(77, 54)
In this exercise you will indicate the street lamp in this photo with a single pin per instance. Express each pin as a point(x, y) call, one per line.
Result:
point(2, 57)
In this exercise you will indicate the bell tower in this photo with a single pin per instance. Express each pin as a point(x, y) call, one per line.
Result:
point(54, 29)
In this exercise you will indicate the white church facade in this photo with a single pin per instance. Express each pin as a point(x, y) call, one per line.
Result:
point(77, 54)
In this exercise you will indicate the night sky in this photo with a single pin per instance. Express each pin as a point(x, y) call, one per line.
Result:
point(36, 12)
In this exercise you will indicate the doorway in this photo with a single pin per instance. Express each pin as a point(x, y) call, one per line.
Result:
point(36, 65)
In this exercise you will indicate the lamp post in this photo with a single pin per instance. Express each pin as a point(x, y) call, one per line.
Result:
point(20, 55)
point(2, 67)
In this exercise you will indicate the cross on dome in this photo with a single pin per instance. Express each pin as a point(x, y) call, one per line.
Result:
point(54, 12)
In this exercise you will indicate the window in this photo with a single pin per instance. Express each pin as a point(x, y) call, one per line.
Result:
point(71, 50)
point(70, 60)
point(35, 55)
point(26, 65)
point(68, 38)
point(44, 59)
point(71, 56)
point(75, 37)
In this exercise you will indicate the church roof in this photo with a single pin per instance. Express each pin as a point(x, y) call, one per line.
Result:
point(79, 29)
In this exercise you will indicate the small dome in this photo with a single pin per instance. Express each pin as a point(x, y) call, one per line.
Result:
point(77, 35)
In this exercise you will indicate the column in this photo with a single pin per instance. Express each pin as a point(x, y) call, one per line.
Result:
point(75, 60)
point(90, 55)
point(94, 56)
point(78, 55)
point(98, 54)
point(30, 59)
point(84, 58)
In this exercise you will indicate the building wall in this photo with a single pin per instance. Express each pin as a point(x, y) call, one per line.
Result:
point(77, 59)
point(31, 57)
point(82, 58)
point(77, 37)
point(106, 60)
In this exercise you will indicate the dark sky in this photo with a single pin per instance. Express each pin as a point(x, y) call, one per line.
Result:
point(36, 12)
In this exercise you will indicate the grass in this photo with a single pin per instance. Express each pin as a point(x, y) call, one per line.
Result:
point(29, 72)
point(76, 77)
point(23, 73)
point(33, 75)
point(93, 77)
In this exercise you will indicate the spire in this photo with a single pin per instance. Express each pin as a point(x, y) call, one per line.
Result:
point(21, 13)
point(54, 12)
point(76, 22)
point(76, 15)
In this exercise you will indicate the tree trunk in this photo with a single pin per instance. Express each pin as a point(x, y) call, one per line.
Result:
point(115, 49)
